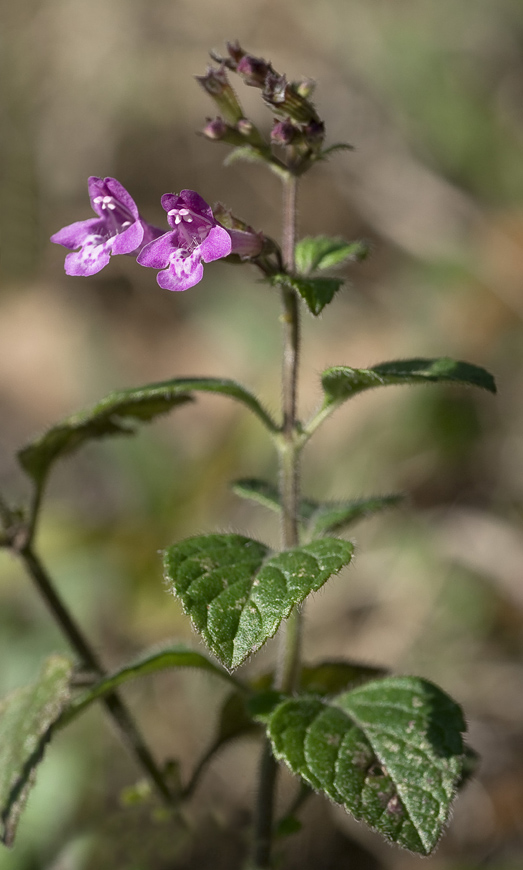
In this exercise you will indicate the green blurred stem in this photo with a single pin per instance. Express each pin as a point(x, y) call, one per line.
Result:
point(113, 703)
point(288, 449)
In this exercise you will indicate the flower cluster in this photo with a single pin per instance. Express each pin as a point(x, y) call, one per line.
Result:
point(298, 129)
point(195, 236)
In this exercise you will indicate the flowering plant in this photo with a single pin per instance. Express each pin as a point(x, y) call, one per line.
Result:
point(388, 748)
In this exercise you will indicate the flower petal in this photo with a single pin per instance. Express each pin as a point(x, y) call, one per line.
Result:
point(174, 279)
point(130, 240)
point(89, 260)
point(217, 244)
point(121, 195)
point(188, 199)
point(76, 234)
point(157, 253)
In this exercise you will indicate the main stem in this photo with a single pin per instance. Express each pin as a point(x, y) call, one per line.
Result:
point(289, 660)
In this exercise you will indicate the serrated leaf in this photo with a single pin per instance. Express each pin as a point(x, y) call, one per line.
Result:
point(321, 517)
point(237, 591)
point(27, 717)
point(341, 382)
point(114, 415)
point(316, 292)
point(324, 252)
point(172, 656)
point(391, 751)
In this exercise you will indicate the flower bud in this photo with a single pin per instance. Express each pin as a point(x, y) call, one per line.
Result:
point(284, 132)
point(314, 133)
point(218, 131)
point(285, 99)
point(305, 87)
point(217, 85)
point(254, 70)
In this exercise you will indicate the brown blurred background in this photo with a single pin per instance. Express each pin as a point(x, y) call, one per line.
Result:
point(431, 96)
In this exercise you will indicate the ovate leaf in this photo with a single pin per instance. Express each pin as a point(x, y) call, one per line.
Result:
point(391, 751)
point(323, 252)
point(316, 292)
point(341, 382)
point(27, 717)
point(237, 591)
point(116, 414)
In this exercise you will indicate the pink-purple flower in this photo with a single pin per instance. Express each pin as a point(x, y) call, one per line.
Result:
point(118, 229)
point(195, 236)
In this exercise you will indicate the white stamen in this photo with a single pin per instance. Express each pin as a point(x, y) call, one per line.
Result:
point(180, 214)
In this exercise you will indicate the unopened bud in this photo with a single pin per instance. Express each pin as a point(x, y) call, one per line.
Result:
point(235, 50)
point(254, 70)
point(215, 129)
point(315, 132)
point(305, 87)
point(217, 85)
point(285, 99)
point(218, 131)
point(284, 132)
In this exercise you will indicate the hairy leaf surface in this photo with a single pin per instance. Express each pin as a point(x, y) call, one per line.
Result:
point(324, 252)
point(237, 591)
point(27, 717)
point(116, 413)
point(391, 751)
point(315, 292)
point(341, 382)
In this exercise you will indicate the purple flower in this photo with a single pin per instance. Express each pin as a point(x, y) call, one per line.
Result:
point(195, 236)
point(118, 229)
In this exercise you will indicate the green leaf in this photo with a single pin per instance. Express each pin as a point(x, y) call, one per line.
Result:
point(172, 656)
point(316, 292)
point(116, 412)
point(324, 252)
point(341, 382)
point(330, 678)
point(390, 751)
point(27, 717)
point(335, 516)
point(260, 491)
point(237, 591)
point(321, 517)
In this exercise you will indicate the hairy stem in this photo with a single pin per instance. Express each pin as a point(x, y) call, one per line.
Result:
point(113, 703)
point(289, 445)
point(289, 662)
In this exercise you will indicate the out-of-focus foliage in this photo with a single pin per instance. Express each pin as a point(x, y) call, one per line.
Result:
point(430, 94)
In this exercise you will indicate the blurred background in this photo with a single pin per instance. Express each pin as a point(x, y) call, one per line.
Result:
point(431, 96)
